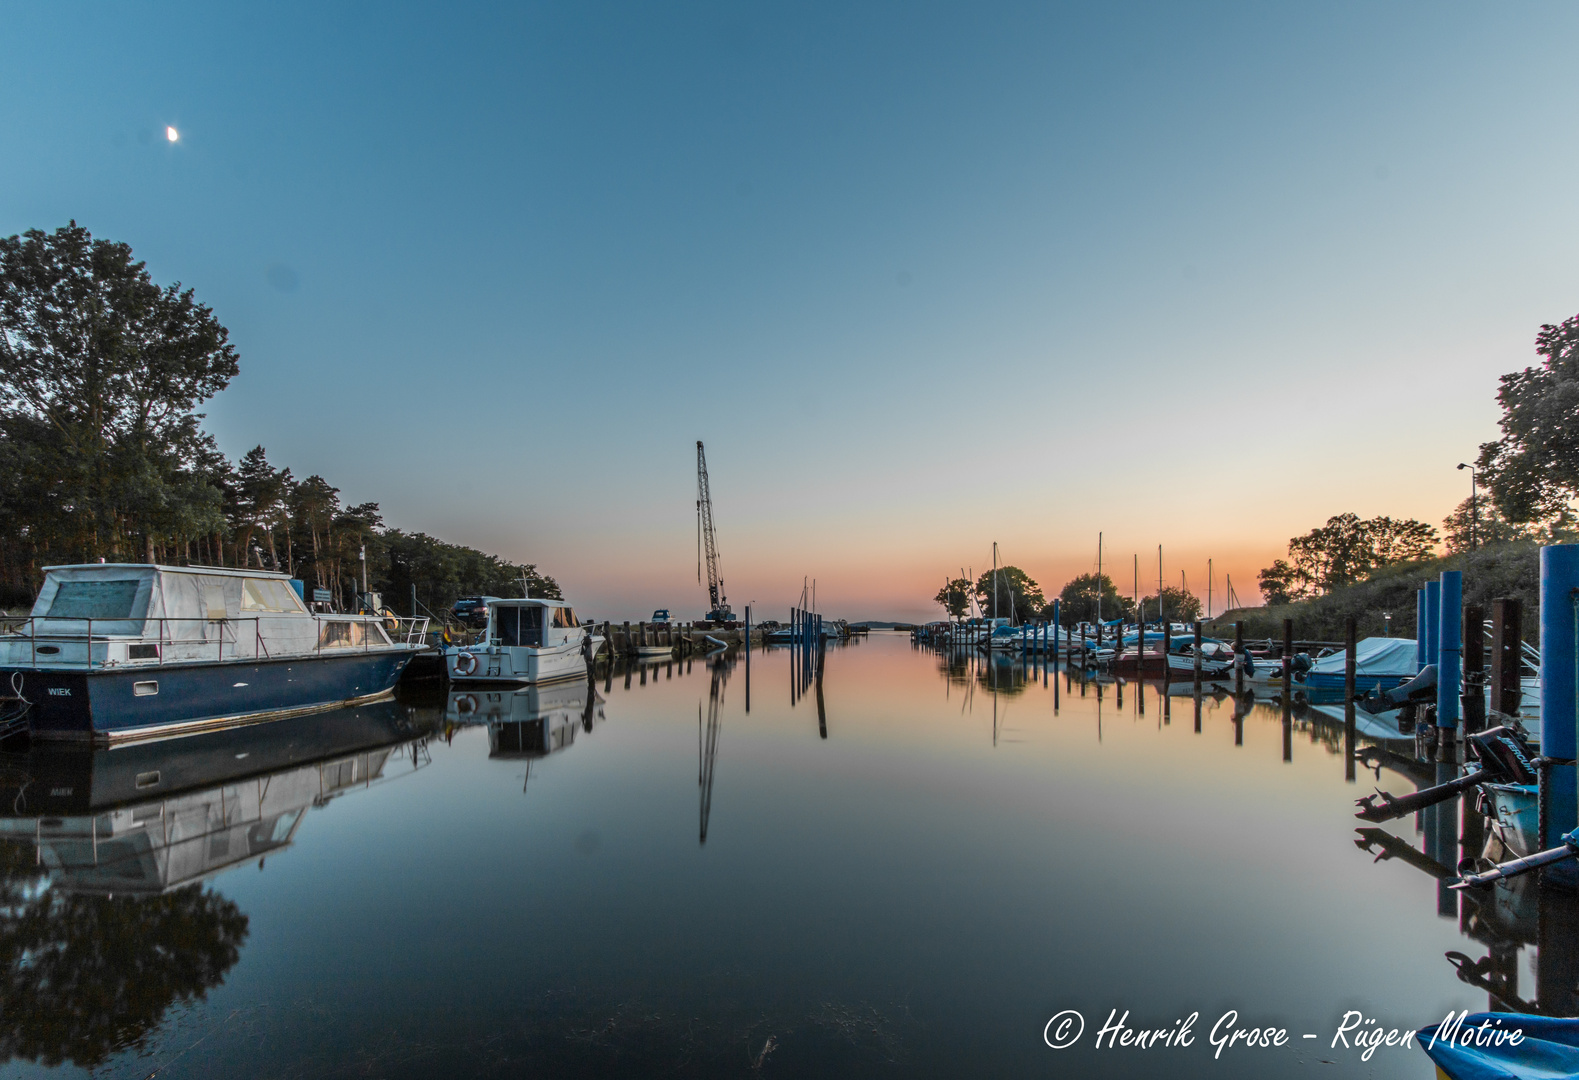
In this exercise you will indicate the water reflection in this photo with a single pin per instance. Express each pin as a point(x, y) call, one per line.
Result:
point(528, 722)
point(105, 916)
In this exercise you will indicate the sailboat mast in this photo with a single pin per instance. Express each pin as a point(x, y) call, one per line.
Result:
point(1161, 607)
point(1208, 588)
point(1099, 579)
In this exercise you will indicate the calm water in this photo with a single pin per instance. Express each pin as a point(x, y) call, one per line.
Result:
point(906, 873)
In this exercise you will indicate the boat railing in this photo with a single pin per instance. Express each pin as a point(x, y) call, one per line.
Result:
point(227, 637)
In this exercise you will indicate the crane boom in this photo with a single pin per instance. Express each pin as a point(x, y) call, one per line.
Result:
point(707, 541)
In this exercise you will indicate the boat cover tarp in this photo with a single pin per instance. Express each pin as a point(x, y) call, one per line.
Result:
point(1372, 656)
point(1550, 1048)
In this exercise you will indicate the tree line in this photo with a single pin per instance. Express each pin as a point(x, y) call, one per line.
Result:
point(103, 455)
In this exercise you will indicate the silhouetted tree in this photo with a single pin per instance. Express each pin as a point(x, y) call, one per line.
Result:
point(1009, 594)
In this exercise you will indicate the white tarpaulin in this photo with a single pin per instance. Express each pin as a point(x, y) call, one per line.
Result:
point(1372, 656)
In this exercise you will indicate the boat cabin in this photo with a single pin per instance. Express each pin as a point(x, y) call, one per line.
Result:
point(531, 624)
point(113, 614)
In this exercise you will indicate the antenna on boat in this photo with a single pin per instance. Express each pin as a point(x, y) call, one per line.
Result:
point(526, 588)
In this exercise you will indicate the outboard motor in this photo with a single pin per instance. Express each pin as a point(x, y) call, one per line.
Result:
point(1419, 689)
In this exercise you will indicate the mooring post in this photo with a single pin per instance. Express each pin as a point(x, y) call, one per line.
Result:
point(1167, 651)
point(748, 659)
point(1450, 619)
point(1288, 660)
point(1420, 621)
point(1197, 656)
point(1239, 658)
point(1433, 629)
point(1350, 668)
point(1507, 654)
point(1055, 631)
point(1473, 701)
point(1559, 652)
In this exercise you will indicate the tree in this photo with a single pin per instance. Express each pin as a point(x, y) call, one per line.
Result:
point(1278, 582)
point(1480, 520)
point(955, 597)
point(1532, 472)
point(1343, 551)
point(100, 373)
point(1010, 593)
point(1178, 605)
point(260, 490)
point(1077, 602)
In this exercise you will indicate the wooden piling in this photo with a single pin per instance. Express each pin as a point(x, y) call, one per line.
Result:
point(1239, 658)
point(1473, 703)
point(1288, 658)
point(1507, 635)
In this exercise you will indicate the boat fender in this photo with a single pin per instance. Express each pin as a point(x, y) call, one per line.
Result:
point(465, 663)
point(391, 621)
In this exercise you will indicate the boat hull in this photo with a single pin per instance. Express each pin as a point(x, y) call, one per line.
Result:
point(115, 704)
point(506, 664)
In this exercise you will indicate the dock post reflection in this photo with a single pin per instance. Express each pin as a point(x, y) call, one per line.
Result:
point(1288, 727)
point(1349, 644)
point(709, 748)
point(822, 712)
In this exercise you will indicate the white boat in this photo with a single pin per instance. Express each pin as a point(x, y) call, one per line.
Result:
point(118, 651)
point(525, 641)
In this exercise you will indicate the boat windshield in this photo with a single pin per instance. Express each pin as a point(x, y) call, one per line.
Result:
point(94, 599)
point(519, 627)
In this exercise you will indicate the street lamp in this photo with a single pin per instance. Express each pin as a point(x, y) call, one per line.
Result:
point(1474, 504)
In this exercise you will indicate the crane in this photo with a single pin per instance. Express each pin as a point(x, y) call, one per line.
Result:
point(706, 540)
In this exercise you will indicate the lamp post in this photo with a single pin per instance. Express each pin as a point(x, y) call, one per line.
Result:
point(1474, 503)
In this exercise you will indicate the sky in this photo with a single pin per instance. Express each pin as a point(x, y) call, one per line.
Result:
point(923, 277)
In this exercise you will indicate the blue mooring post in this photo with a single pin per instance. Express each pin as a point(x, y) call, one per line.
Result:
point(1449, 638)
point(1433, 608)
point(1559, 654)
point(1420, 630)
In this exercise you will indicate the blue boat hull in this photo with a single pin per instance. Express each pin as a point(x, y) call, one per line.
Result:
point(1320, 680)
point(111, 704)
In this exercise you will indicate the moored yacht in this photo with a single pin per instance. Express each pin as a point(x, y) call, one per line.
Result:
point(525, 641)
point(116, 651)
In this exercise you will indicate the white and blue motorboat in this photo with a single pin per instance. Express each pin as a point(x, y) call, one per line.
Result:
point(526, 641)
point(117, 651)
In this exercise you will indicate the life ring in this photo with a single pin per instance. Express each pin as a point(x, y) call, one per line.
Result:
point(391, 621)
point(466, 704)
point(465, 663)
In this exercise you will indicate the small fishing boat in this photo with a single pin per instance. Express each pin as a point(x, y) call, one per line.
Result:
point(526, 641)
point(118, 651)
point(1380, 663)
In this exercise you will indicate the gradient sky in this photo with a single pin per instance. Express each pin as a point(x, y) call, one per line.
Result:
point(923, 277)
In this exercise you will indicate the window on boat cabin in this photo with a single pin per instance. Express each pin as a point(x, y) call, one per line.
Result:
point(268, 594)
point(94, 599)
point(520, 627)
point(564, 617)
point(346, 634)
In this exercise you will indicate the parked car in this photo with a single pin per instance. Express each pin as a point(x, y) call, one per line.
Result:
point(472, 611)
point(661, 615)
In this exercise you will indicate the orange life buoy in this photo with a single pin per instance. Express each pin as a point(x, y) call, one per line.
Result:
point(465, 663)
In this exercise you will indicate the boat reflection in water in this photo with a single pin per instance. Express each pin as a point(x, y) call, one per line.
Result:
point(531, 722)
point(104, 921)
point(145, 819)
